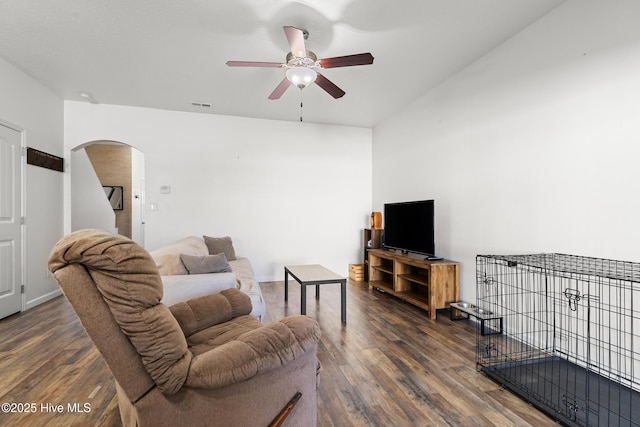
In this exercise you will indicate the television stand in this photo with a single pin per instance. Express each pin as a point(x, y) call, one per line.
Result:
point(430, 285)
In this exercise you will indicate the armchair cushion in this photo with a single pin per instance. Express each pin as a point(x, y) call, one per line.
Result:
point(253, 352)
point(229, 346)
point(201, 313)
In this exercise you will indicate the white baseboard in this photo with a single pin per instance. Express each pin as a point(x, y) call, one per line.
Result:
point(42, 299)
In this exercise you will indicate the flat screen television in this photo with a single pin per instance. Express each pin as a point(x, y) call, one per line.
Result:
point(409, 227)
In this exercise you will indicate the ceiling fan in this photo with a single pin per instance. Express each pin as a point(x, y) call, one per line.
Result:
point(302, 65)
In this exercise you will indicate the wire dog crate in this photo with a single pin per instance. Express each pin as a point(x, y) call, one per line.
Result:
point(570, 341)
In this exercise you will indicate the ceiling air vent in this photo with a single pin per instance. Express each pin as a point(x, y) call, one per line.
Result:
point(201, 104)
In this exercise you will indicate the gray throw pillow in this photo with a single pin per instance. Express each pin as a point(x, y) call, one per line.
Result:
point(219, 245)
point(205, 264)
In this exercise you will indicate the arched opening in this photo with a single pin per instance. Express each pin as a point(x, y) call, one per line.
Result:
point(107, 188)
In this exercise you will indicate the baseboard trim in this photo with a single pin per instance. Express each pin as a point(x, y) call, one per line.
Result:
point(42, 299)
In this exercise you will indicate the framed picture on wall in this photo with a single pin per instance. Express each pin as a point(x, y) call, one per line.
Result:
point(114, 195)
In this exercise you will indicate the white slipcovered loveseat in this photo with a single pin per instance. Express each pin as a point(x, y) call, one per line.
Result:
point(194, 267)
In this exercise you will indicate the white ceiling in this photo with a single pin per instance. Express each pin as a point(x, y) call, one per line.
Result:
point(167, 53)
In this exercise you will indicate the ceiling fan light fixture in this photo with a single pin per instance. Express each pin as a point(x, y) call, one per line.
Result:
point(301, 77)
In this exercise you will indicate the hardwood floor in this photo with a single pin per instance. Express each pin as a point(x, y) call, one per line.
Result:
point(47, 360)
point(388, 366)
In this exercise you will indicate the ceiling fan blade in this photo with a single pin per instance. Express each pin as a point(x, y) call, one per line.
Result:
point(295, 36)
point(279, 90)
point(253, 64)
point(347, 61)
point(329, 87)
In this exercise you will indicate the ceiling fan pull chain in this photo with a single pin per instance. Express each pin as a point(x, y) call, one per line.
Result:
point(301, 104)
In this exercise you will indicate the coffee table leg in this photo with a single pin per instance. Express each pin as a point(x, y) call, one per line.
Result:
point(343, 302)
point(286, 284)
point(303, 299)
point(317, 291)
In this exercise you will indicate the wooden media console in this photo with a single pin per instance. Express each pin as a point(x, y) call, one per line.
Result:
point(430, 285)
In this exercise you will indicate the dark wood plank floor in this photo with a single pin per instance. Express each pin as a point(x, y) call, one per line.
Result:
point(388, 366)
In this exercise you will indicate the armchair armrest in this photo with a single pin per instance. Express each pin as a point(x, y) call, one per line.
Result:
point(254, 352)
point(203, 312)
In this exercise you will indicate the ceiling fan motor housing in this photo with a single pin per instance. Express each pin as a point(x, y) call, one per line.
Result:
point(309, 61)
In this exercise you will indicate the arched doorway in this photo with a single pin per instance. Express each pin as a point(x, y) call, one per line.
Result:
point(107, 188)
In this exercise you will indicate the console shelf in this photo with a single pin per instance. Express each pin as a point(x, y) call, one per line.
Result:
point(381, 284)
point(382, 269)
point(430, 285)
point(415, 279)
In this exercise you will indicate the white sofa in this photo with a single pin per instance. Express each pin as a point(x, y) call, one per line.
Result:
point(181, 286)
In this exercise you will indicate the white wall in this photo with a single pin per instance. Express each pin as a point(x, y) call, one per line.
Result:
point(286, 192)
point(533, 148)
point(30, 106)
point(89, 206)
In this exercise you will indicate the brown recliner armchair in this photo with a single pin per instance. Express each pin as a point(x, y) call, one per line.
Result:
point(203, 362)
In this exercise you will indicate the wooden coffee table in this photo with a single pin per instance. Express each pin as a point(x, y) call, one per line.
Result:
point(314, 274)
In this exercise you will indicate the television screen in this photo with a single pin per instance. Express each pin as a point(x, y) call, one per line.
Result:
point(409, 226)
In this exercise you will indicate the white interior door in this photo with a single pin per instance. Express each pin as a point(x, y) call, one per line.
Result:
point(10, 222)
